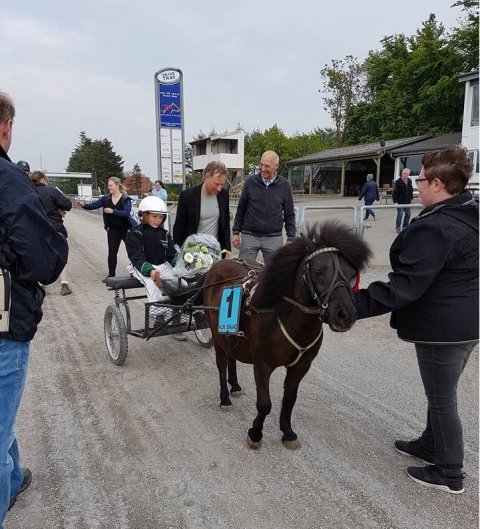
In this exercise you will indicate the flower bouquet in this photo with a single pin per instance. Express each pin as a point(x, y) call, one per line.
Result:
point(197, 255)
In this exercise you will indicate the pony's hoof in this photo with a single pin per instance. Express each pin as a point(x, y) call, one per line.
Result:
point(292, 445)
point(236, 394)
point(226, 407)
point(254, 445)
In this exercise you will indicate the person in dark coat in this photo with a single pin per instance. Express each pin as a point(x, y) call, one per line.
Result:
point(265, 207)
point(205, 208)
point(31, 252)
point(55, 204)
point(117, 219)
point(369, 193)
point(432, 294)
point(403, 194)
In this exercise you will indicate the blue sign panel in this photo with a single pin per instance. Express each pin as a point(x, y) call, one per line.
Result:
point(229, 311)
point(170, 105)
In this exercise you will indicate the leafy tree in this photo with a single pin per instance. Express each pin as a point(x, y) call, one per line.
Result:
point(136, 174)
point(96, 157)
point(343, 83)
point(412, 88)
point(465, 37)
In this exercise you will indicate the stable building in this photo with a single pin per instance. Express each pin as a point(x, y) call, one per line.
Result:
point(342, 171)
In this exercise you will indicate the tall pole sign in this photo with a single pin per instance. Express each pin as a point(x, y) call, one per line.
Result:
point(169, 119)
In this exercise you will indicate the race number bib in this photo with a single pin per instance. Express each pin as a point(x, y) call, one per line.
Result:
point(229, 312)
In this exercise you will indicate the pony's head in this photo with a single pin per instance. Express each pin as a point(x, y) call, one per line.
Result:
point(319, 268)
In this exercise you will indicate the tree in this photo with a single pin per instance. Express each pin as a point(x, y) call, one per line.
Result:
point(412, 88)
point(465, 37)
point(136, 174)
point(343, 83)
point(96, 157)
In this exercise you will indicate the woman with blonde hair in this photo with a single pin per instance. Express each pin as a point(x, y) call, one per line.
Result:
point(116, 219)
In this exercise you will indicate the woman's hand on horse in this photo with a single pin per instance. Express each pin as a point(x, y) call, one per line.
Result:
point(228, 255)
point(80, 203)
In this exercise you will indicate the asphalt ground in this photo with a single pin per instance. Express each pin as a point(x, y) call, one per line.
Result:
point(146, 445)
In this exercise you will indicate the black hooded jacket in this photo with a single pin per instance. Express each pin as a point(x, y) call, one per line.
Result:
point(30, 249)
point(53, 201)
point(433, 289)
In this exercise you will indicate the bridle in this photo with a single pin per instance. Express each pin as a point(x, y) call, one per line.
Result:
point(338, 280)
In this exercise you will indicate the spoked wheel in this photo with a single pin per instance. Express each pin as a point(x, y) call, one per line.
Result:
point(204, 337)
point(115, 335)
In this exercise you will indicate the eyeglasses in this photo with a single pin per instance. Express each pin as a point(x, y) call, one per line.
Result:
point(418, 180)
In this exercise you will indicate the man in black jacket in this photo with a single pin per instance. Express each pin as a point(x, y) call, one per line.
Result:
point(205, 208)
point(403, 194)
point(432, 293)
point(31, 251)
point(265, 205)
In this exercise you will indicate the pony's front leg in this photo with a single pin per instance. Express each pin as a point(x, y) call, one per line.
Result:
point(290, 390)
point(264, 404)
point(232, 377)
point(221, 359)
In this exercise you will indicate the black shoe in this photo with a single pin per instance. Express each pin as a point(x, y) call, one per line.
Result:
point(27, 479)
point(433, 476)
point(413, 449)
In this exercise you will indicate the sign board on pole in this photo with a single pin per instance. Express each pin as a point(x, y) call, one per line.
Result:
point(169, 119)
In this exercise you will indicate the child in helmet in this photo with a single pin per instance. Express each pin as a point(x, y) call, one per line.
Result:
point(149, 246)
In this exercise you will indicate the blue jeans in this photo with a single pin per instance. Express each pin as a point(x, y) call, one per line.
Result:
point(440, 368)
point(406, 212)
point(13, 372)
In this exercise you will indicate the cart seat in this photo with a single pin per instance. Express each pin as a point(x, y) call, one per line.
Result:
point(123, 282)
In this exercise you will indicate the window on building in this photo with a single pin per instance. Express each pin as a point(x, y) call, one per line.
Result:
point(200, 149)
point(327, 178)
point(475, 108)
point(413, 162)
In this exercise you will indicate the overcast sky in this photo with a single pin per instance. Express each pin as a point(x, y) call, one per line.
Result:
point(90, 65)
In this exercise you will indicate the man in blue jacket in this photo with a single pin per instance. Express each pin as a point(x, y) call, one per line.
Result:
point(370, 194)
point(265, 205)
point(31, 252)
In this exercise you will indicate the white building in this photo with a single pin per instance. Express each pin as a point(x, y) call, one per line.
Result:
point(470, 127)
point(228, 148)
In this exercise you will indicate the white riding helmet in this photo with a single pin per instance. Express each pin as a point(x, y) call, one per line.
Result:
point(153, 205)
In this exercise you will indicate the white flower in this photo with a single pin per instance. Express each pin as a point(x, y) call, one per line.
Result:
point(188, 258)
point(209, 259)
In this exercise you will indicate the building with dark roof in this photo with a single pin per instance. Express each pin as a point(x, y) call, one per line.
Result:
point(343, 171)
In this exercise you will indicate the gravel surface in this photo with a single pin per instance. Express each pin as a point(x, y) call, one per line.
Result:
point(146, 445)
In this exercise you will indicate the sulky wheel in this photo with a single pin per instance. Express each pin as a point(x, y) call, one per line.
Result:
point(204, 337)
point(115, 335)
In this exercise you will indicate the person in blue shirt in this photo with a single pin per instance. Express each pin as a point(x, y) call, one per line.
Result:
point(160, 191)
point(369, 193)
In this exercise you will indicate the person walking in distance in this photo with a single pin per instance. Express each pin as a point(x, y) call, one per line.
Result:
point(160, 191)
point(116, 219)
point(265, 205)
point(31, 252)
point(403, 194)
point(369, 193)
point(56, 205)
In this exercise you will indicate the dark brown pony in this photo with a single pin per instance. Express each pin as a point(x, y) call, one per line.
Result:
point(307, 283)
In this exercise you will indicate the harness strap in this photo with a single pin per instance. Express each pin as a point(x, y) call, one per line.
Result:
point(303, 308)
point(301, 350)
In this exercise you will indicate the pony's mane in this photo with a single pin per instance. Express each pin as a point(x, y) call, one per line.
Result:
point(278, 278)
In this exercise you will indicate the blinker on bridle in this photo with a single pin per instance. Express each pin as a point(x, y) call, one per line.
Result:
point(322, 300)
